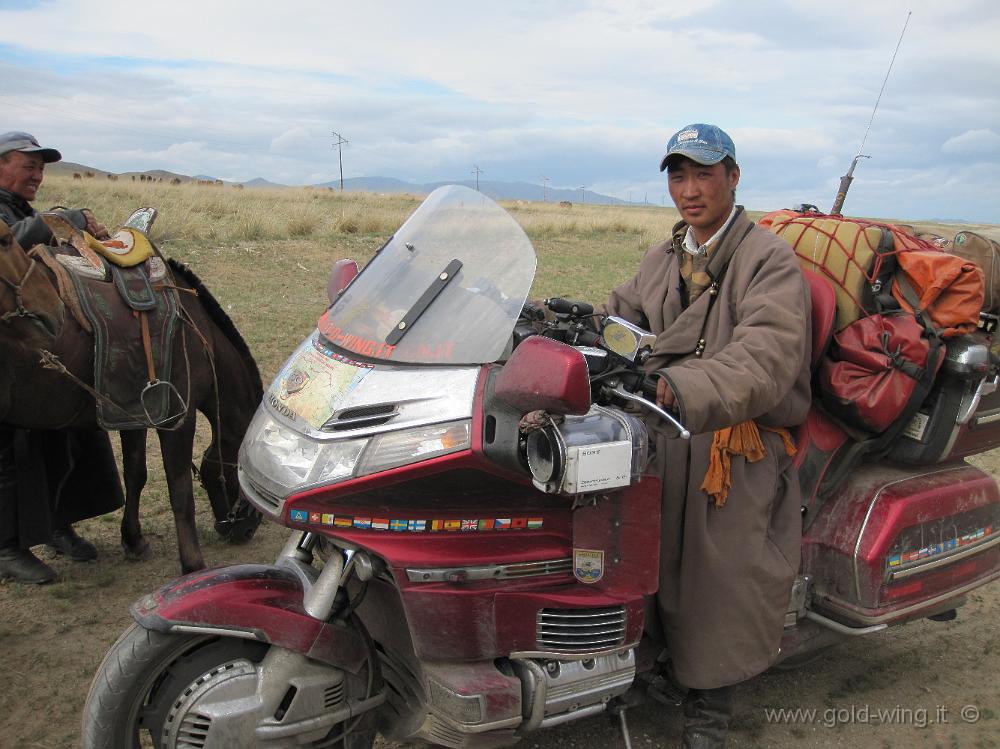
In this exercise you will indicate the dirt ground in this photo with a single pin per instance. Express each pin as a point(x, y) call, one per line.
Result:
point(927, 684)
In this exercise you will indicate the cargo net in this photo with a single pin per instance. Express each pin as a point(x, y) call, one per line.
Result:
point(852, 253)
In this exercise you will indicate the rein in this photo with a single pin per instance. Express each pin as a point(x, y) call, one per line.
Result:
point(18, 288)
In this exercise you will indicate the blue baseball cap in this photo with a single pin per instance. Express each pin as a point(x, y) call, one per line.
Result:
point(706, 144)
point(26, 143)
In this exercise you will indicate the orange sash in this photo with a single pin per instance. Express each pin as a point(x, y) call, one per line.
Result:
point(743, 439)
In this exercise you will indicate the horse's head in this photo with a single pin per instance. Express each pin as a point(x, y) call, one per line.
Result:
point(31, 312)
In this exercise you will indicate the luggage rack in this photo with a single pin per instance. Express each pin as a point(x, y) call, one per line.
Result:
point(988, 322)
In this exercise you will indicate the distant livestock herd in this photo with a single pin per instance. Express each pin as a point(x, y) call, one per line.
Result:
point(151, 178)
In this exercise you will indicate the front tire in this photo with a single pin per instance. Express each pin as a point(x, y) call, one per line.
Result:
point(149, 681)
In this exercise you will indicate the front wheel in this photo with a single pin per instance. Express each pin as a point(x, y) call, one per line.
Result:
point(181, 691)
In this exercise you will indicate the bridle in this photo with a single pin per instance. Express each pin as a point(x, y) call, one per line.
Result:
point(20, 310)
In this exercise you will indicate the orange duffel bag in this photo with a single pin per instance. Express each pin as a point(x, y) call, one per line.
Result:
point(945, 289)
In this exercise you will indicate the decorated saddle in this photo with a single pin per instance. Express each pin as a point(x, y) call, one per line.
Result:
point(121, 292)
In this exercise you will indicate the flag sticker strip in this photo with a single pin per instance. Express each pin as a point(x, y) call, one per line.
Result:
point(931, 550)
point(416, 525)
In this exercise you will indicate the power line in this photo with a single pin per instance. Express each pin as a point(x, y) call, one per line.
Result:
point(340, 156)
point(477, 171)
point(544, 185)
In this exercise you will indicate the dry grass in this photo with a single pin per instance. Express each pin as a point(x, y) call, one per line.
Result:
point(265, 256)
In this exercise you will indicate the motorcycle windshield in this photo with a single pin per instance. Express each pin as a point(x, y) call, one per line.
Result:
point(446, 289)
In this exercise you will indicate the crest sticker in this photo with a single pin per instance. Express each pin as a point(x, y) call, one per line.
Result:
point(296, 381)
point(588, 565)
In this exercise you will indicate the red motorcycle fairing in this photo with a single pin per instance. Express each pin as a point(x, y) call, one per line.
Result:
point(255, 601)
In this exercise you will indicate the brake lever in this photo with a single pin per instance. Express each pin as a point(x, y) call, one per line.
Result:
point(682, 432)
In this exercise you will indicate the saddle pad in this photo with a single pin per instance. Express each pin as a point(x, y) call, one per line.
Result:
point(120, 368)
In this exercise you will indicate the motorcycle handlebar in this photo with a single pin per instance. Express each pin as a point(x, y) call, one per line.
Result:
point(569, 307)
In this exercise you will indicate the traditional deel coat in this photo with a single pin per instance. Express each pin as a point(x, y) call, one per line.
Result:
point(726, 572)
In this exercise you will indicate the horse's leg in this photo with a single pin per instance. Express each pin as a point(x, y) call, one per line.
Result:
point(177, 446)
point(134, 469)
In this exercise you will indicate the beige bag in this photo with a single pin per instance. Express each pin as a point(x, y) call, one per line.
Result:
point(849, 252)
point(985, 253)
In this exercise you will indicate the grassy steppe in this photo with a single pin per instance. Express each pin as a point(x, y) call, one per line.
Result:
point(265, 255)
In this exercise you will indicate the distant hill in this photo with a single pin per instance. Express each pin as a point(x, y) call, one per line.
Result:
point(261, 182)
point(69, 168)
point(495, 190)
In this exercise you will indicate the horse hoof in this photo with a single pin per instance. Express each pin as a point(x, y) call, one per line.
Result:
point(139, 551)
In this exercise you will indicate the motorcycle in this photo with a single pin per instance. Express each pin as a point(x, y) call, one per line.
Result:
point(475, 530)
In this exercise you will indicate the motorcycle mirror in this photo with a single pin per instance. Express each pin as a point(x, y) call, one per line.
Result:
point(545, 375)
point(342, 273)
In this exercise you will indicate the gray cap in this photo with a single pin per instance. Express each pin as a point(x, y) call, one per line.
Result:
point(26, 143)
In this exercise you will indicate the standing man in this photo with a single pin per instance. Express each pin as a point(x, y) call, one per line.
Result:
point(48, 480)
point(729, 306)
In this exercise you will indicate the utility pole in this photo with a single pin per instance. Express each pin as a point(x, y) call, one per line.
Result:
point(340, 156)
point(477, 171)
point(545, 181)
point(630, 198)
point(583, 193)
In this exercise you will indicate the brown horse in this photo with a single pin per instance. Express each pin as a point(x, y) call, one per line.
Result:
point(217, 375)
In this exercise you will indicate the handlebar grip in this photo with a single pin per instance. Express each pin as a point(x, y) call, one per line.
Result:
point(568, 307)
point(531, 312)
point(649, 388)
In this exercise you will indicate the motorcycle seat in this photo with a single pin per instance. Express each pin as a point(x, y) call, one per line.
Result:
point(823, 316)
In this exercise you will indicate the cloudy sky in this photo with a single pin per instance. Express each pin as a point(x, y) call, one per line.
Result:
point(585, 93)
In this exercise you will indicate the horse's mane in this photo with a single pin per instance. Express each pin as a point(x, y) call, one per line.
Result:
point(220, 318)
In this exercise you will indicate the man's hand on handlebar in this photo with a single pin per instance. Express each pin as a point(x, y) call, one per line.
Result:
point(664, 395)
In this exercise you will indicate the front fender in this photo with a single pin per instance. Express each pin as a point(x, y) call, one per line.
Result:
point(256, 601)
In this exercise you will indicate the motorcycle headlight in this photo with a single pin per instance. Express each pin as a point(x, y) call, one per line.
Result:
point(283, 461)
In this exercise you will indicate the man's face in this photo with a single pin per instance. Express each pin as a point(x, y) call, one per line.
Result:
point(703, 194)
point(21, 173)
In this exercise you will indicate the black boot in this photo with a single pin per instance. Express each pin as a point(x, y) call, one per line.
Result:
point(707, 713)
point(67, 541)
point(22, 566)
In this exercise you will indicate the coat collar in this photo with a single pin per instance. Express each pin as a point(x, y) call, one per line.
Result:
point(727, 245)
point(18, 204)
point(683, 327)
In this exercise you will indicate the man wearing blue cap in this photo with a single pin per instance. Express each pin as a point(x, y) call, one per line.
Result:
point(729, 306)
point(48, 480)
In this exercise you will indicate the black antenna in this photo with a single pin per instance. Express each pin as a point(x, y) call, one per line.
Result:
point(845, 181)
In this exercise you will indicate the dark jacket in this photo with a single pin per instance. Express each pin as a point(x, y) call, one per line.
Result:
point(26, 225)
point(49, 479)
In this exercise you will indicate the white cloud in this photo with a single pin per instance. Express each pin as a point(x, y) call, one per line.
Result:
point(294, 139)
point(584, 92)
point(975, 142)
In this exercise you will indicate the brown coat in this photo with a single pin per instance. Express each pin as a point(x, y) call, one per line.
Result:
point(726, 573)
